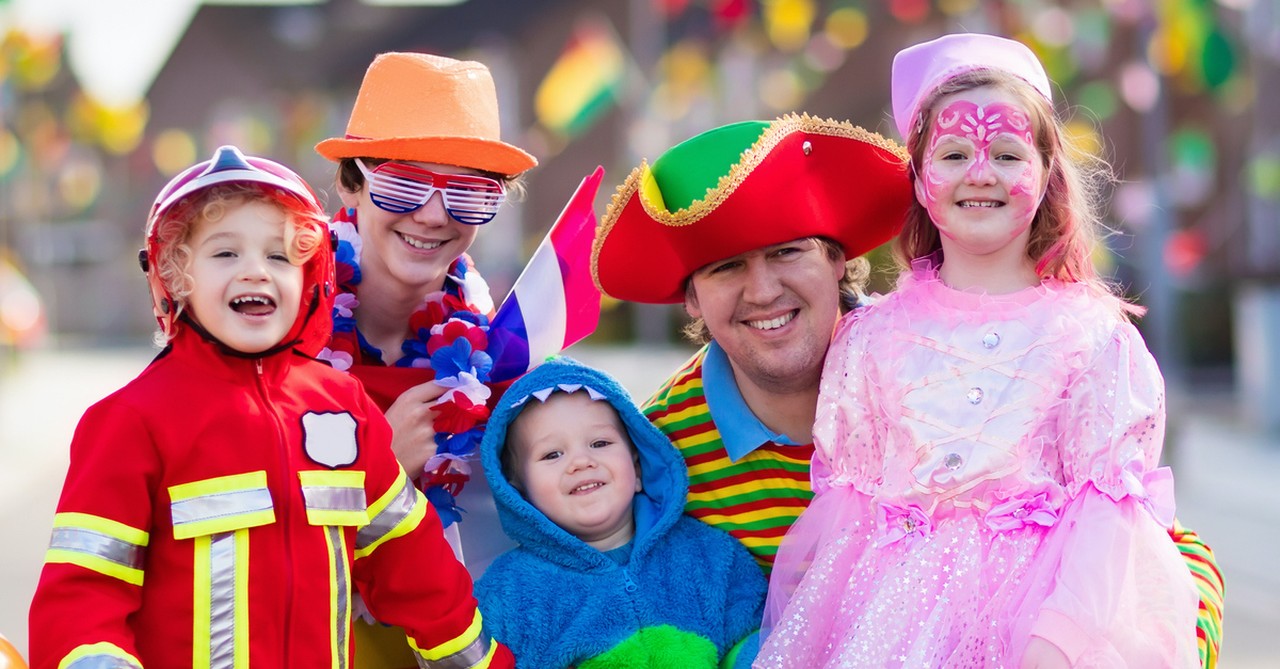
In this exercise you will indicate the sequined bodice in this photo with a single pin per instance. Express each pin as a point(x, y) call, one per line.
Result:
point(951, 401)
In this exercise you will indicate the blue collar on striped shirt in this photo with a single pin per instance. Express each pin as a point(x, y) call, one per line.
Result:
point(740, 430)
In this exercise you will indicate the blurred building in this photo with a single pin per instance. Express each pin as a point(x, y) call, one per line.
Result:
point(1178, 95)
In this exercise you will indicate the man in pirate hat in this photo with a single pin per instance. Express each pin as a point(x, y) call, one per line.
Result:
point(750, 225)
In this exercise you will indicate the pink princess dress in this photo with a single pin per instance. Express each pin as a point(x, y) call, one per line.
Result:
point(986, 470)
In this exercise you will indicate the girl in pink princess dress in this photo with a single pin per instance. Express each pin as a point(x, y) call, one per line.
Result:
point(988, 434)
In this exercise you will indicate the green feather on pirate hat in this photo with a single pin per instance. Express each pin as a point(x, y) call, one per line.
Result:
point(745, 186)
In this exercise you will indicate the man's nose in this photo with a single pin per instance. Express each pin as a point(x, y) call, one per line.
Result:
point(763, 285)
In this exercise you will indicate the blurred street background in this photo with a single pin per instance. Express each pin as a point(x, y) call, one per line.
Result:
point(102, 101)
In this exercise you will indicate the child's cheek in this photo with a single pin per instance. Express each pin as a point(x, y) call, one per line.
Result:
point(1024, 196)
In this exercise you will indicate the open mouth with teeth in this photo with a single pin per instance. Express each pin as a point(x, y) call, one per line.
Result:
point(774, 323)
point(419, 244)
point(253, 305)
point(982, 204)
point(586, 488)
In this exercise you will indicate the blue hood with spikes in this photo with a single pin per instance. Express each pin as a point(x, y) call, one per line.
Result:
point(662, 470)
point(688, 595)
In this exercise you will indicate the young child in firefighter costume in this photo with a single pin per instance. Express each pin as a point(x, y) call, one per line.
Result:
point(222, 509)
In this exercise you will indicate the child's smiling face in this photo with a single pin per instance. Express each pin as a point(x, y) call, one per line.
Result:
point(982, 176)
point(245, 292)
point(575, 463)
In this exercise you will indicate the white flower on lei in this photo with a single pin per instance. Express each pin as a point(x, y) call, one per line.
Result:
point(475, 290)
point(347, 232)
point(344, 304)
point(339, 360)
point(467, 384)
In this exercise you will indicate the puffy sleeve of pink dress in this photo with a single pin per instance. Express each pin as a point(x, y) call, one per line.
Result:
point(986, 470)
point(1117, 594)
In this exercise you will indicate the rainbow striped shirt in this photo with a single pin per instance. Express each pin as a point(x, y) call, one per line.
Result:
point(755, 498)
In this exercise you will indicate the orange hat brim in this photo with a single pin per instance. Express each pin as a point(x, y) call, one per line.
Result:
point(849, 185)
point(469, 152)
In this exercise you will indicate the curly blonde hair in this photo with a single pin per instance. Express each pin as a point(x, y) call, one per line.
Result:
point(306, 231)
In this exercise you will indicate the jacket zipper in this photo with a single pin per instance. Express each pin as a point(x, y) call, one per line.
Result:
point(283, 519)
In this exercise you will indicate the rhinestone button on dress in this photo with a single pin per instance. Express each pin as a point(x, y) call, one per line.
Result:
point(974, 395)
point(991, 340)
point(952, 461)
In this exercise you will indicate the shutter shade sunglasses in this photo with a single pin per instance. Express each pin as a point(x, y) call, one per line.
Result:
point(401, 188)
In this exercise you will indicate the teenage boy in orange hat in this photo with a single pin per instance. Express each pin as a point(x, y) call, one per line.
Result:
point(750, 225)
point(421, 168)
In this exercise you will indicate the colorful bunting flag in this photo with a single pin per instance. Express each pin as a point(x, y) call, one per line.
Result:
point(583, 82)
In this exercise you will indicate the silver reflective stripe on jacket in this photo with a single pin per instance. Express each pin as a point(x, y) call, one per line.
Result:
point(342, 586)
point(220, 505)
point(99, 545)
point(334, 498)
point(222, 599)
point(389, 518)
point(468, 657)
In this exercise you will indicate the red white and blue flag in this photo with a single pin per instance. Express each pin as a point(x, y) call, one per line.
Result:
point(554, 304)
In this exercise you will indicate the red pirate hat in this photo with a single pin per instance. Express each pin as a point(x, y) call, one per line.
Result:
point(745, 186)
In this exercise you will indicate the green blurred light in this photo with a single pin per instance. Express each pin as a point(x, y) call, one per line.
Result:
point(1192, 148)
point(1264, 177)
point(1217, 60)
point(1099, 98)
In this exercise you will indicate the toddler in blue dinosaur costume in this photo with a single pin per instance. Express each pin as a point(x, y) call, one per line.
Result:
point(609, 571)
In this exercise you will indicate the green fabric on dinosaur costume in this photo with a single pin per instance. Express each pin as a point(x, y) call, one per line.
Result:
point(661, 647)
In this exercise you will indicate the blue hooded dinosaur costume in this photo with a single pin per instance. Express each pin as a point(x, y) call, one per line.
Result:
point(688, 595)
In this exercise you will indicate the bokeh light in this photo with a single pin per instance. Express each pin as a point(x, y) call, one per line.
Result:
point(1054, 27)
point(909, 11)
point(1098, 98)
point(1083, 137)
point(787, 22)
point(1139, 87)
point(957, 7)
point(172, 151)
point(846, 27)
point(10, 152)
point(780, 89)
point(1263, 174)
point(80, 182)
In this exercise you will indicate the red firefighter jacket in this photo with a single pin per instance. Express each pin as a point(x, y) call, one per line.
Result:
point(220, 512)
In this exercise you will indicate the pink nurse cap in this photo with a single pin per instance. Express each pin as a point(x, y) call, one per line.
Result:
point(918, 70)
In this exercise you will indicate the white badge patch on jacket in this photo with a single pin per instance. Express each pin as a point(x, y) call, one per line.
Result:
point(330, 438)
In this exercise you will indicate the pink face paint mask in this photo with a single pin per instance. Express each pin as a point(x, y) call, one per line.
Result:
point(986, 151)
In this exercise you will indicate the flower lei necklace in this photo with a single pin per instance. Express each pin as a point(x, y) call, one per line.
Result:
point(448, 335)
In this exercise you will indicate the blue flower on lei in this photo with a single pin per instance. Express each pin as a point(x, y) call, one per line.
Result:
point(459, 357)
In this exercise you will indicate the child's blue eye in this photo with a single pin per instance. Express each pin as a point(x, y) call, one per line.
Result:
point(600, 443)
point(552, 455)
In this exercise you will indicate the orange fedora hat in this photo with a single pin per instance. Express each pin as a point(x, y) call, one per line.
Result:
point(745, 186)
point(427, 108)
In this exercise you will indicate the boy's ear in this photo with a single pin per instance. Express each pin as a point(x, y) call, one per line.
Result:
point(349, 199)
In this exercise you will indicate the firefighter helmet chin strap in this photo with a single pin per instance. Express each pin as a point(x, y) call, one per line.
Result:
point(163, 305)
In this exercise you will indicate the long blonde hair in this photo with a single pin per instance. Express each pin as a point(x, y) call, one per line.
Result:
point(1066, 226)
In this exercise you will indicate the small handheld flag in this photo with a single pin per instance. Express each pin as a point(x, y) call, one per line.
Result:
point(554, 304)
